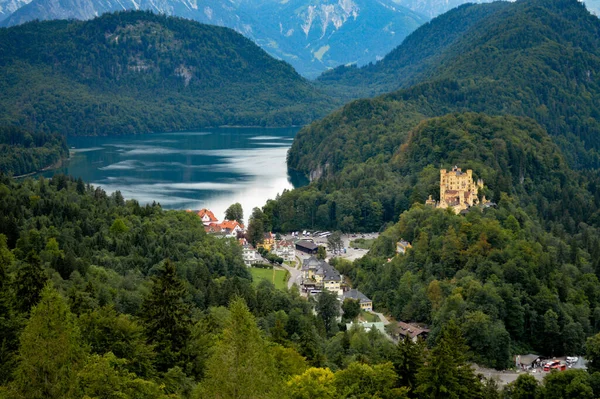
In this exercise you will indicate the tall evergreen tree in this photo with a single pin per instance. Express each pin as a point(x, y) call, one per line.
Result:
point(51, 350)
point(242, 365)
point(447, 375)
point(408, 360)
point(9, 324)
point(167, 317)
point(29, 281)
point(328, 309)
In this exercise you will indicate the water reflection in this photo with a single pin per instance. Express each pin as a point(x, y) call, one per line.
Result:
point(189, 170)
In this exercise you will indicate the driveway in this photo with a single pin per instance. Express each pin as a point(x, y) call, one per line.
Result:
point(295, 275)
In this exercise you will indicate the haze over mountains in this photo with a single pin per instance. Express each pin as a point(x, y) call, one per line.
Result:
point(312, 36)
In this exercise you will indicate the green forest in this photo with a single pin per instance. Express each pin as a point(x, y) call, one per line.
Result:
point(137, 72)
point(22, 152)
point(534, 58)
point(103, 298)
point(523, 59)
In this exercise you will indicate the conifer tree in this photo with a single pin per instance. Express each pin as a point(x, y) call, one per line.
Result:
point(166, 316)
point(51, 350)
point(29, 281)
point(242, 365)
point(408, 360)
point(9, 324)
point(447, 375)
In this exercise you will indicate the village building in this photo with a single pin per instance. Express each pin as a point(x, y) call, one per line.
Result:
point(231, 228)
point(284, 249)
point(207, 217)
point(268, 241)
point(320, 275)
point(400, 330)
point(458, 190)
point(354, 294)
point(402, 246)
point(308, 247)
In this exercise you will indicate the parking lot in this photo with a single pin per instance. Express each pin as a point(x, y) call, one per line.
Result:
point(350, 253)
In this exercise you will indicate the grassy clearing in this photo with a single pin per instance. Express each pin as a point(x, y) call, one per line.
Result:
point(362, 243)
point(369, 317)
point(276, 276)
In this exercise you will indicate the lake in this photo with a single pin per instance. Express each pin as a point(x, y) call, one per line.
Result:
point(209, 168)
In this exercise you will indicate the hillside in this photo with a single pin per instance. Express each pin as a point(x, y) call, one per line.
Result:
point(136, 72)
point(310, 35)
point(502, 252)
point(530, 58)
point(22, 152)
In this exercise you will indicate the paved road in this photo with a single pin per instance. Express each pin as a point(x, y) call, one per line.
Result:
point(295, 275)
point(382, 318)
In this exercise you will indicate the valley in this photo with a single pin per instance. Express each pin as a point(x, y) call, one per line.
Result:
point(437, 211)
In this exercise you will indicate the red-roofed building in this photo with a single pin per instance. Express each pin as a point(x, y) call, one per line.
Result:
point(232, 227)
point(207, 217)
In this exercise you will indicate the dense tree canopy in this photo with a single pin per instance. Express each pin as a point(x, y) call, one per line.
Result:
point(137, 72)
point(22, 152)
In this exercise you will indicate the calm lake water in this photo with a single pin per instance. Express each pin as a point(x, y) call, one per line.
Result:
point(211, 168)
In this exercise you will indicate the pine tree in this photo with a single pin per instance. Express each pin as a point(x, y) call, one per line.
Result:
point(9, 323)
point(242, 365)
point(166, 316)
point(408, 360)
point(29, 281)
point(446, 374)
point(51, 350)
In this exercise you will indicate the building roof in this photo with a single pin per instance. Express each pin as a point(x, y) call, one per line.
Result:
point(356, 295)
point(208, 213)
point(307, 245)
point(321, 268)
point(231, 224)
point(311, 263)
point(329, 272)
point(212, 228)
point(527, 360)
point(284, 243)
point(404, 244)
point(410, 330)
point(268, 236)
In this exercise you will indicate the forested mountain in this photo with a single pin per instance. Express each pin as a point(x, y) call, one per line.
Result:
point(310, 35)
point(534, 58)
point(136, 72)
point(531, 58)
point(508, 275)
point(22, 152)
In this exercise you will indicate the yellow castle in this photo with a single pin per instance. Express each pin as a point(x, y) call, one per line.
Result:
point(457, 190)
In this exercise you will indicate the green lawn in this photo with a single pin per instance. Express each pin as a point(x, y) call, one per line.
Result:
point(277, 277)
point(369, 317)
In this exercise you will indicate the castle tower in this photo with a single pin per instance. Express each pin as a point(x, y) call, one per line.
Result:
point(457, 189)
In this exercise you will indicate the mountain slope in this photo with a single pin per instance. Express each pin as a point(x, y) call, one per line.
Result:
point(314, 36)
point(136, 72)
point(311, 35)
point(536, 59)
point(531, 58)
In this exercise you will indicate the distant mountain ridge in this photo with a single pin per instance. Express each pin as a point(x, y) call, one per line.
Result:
point(310, 35)
point(136, 72)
